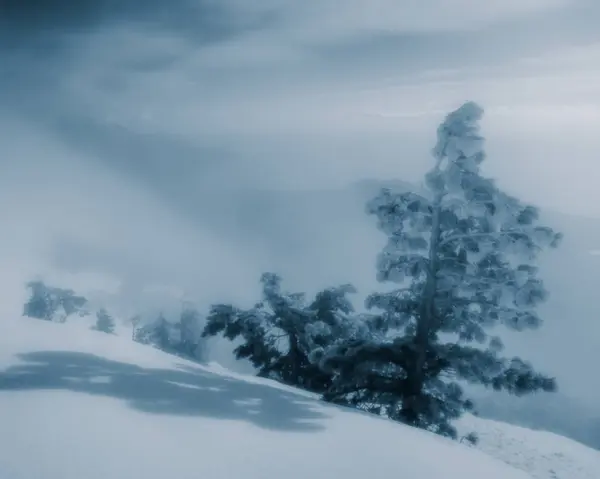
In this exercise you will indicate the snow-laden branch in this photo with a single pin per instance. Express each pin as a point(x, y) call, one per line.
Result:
point(491, 235)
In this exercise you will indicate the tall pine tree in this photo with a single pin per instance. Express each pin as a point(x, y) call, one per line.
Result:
point(462, 257)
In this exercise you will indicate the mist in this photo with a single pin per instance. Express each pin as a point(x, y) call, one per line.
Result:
point(192, 148)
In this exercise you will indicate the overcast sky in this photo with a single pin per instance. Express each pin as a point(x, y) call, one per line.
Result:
point(117, 116)
point(314, 93)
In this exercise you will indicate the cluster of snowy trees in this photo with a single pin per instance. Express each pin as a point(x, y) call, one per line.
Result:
point(459, 261)
point(50, 303)
point(53, 304)
point(182, 336)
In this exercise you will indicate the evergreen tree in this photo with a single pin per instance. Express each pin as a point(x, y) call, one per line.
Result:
point(463, 259)
point(280, 332)
point(190, 332)
point(333, 320)
point(50, 304)
point(156, 333)
point(160, 335)
point(39, 304)
point(104, 322)
point(135, 322)
point(143, 333)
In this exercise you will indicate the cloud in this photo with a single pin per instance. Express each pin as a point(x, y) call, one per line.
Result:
point(326, 19)
point(258, 107)
point(318, 20)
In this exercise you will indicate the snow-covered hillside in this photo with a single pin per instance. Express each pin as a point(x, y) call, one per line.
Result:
point(308, 237)
point(79, 404)
point(542, 454)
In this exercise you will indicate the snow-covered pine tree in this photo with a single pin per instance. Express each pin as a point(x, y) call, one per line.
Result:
point(104, 322)
point(160, 335)
point(142, 330)
point(52, 304)
point(157, 332)
point(39, 304)
point(135, 321)
point(281, 331)
point(190, 332)
point(463, 258)
point(334, 321)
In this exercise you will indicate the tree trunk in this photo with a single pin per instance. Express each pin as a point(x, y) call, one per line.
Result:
point(426, 324)
point(294, 355)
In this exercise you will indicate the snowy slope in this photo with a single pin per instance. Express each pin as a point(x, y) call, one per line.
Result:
point(78, 404)
point(542, 454)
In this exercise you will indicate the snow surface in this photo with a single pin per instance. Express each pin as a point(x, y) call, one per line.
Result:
point(544, 455)
point(80, 404)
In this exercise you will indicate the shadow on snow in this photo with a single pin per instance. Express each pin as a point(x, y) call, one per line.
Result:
point(182, 392)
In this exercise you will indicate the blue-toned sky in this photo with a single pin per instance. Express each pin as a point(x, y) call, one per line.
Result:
point(312, 93)
point(117, 118)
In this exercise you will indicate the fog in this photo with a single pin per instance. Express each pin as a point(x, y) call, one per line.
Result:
point(193, 147)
